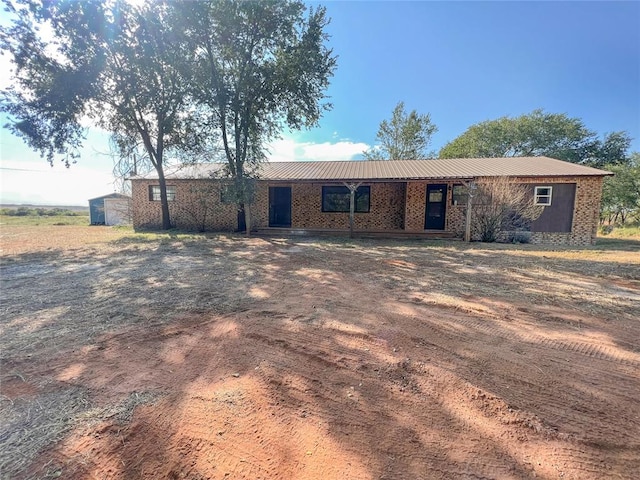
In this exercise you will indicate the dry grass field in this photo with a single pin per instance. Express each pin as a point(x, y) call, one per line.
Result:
point(180, 356)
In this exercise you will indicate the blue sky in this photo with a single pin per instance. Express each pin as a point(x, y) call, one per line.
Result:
point(462, 62)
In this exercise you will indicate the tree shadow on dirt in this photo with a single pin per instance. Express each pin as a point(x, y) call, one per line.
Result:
point(321, 360)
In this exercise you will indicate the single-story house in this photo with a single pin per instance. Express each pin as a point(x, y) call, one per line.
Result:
point(111, 209)
point(393, 197)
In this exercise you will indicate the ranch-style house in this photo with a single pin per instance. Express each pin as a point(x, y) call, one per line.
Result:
point(393, 198)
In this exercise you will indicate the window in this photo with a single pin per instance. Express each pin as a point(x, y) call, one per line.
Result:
point(338, 199)
point(542, 196)
point(154, 193)
point(459, 195)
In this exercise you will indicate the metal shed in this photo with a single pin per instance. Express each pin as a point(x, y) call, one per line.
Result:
point(111, 209)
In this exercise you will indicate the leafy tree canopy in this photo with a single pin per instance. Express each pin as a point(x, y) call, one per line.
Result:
point(621, 192)
point(166, 77)
point(539, 134)
point(113, 64)
point(259, 66)
point(406, 136)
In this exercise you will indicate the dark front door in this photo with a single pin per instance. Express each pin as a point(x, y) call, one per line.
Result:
point(279, 206)
point(436, 207)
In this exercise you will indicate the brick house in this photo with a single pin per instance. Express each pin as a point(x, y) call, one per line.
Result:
point(394, 198)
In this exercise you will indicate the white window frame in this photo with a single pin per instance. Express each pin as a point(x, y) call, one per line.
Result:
point(543, 200)
point(154, 193)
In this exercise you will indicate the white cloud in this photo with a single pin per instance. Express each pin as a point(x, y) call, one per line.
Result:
point(343, 150)
point(282, 150)
point(288, 150)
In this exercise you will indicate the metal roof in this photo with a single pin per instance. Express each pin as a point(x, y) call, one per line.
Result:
point(398, 169)
point(111, 195)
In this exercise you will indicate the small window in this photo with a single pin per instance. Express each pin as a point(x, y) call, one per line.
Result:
point(459, 195)
point(542, 196)
point(338, 199)
point(154, 193)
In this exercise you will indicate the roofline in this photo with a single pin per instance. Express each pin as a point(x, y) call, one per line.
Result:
point(402, 171)
point(119, 195)
point(378, 180)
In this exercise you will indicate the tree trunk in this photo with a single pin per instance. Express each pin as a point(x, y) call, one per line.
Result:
point(247, 213)
point(164, 202)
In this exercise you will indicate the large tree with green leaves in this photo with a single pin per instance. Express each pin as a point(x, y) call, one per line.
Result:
point(260, 66)
point(621, 192)
point(111, 64)
point(406, 136)
point(539, 134)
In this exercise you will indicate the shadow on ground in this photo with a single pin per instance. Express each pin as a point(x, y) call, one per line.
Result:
point(225, 357)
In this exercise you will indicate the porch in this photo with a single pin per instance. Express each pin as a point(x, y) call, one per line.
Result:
point(339, 232)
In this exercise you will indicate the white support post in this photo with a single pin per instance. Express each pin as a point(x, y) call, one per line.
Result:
point(353, 187)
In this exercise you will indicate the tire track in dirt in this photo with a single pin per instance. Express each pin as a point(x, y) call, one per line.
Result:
point(573, 410)
point(588, 349)
point(556, 455)
point(361, 416)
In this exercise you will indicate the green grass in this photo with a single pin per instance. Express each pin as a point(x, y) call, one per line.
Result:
point(34, 220)
point(625, 232)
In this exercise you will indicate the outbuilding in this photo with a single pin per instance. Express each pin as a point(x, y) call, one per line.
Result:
point(111, 209)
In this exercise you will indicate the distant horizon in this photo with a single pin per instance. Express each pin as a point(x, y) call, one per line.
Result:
point(47, 205)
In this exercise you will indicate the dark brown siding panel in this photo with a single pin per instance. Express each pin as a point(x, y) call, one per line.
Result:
point(558, 216)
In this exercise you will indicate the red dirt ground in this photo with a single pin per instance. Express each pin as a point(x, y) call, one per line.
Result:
point(228, 358)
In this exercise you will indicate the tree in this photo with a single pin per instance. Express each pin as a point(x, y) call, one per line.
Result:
point(612, 150)
point(404, 137)
point(501, 205)
point(539, 134)
point(621, 192)
point(259, 66)
point(116, 64)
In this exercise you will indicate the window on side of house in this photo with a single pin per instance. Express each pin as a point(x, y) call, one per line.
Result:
point(459, 195)
point(154, 193)
point(338, 199)
point(542, 196)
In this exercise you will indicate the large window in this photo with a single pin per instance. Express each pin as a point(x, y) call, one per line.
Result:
point(542, 196)
point(154, 193)
point(338, 199)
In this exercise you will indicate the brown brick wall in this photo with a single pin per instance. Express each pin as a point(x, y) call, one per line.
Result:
point(196, 201)
point(394, 206)
point(385, 212)
point(415, 206)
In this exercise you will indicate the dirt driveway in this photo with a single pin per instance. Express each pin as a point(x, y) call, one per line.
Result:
point(150, 356)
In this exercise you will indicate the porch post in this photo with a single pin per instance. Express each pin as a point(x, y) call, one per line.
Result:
point(352, 205)
point(467, 230)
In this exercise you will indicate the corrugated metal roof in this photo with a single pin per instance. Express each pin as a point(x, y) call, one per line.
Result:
point(400, 169)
